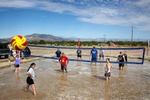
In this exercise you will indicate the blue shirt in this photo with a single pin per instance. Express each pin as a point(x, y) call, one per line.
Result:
point(58, 53)
point(94, 53)
point(17, 62)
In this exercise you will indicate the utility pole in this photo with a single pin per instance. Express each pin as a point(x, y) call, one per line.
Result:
point(132, 35)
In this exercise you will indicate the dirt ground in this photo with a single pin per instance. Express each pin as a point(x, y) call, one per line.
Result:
point(83, 82)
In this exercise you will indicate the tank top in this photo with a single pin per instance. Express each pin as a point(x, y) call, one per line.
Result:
point(17, 60)
point(120, 58)
point(79, 52)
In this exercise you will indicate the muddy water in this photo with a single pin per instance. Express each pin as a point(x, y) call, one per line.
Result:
point(83, 82)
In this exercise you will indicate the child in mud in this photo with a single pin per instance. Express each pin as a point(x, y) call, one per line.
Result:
point(108, 69)
point(30, 79)
point(17, 61)
point(64, 61)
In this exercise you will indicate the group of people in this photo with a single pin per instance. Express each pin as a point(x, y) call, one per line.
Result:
point(63, 59)
point(122, 58)
point(30, 72)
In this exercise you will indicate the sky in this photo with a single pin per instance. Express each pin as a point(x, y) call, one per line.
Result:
point(76, 18)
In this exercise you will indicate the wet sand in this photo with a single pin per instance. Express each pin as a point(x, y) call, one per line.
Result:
point(83, 82)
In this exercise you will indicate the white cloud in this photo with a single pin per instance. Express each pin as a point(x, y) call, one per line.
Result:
point(17, 3)
point(116, 12)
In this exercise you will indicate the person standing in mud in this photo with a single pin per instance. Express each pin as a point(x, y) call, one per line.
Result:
point(79, 54)
point(17, 61)
point(63, 62)
point(31, 78)
point(101, 54)
point(121, 60)
point(108, 70)
point(125, 56)
point(58, 53)
point(93, 55)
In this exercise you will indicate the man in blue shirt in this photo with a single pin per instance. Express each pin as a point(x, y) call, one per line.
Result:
point(58, 53)
point(94, 54)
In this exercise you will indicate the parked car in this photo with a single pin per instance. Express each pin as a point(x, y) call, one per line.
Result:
point(26, 52)
point(4, 50)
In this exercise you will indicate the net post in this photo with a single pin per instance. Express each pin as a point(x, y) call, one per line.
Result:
point(148, 48)
point(143, 56)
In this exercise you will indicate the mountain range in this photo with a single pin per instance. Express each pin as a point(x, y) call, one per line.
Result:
point(36, 37)
point(49, 37)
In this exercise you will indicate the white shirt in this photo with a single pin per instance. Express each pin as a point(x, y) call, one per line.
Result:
point(31, 71)
point(101, 52)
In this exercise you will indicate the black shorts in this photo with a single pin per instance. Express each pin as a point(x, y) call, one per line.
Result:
point(94, 59)
point(107, 74)
point(101, 56)
point(63, 67)
point(30, 81)
point(79, 55)
point(16, 65)
point(121, 64)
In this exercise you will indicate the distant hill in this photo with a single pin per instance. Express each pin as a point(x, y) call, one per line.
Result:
point(45, 37)
point(49, 37)
point(37, 37)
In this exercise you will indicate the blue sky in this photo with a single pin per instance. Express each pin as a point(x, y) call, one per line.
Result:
point(76, 18)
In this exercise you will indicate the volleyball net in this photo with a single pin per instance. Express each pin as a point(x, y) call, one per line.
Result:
point(135, 55)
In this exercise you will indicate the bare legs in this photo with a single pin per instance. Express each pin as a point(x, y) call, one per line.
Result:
point(17, 70)
point(121, 68)
point(33, 88)
point(108, 78)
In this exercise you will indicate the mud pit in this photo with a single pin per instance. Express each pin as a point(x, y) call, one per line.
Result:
point(83, 82)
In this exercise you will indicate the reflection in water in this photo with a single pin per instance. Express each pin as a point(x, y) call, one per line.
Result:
point(107, 90)
point(57, 64)
point(79, 63)
point(101, 64)
point(63, 82)
point(17, 76)
point(121, 76)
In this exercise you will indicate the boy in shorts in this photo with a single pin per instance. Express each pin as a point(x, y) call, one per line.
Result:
point(79, 54)
point(64, 61)
point(108, 70)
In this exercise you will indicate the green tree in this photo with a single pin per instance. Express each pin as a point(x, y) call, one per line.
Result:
point(42, 42)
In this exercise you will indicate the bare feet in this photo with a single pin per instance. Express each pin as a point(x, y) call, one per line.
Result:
point(25, 90)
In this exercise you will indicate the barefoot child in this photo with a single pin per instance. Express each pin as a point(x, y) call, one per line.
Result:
point(30, 79)
point(64, 61)
point(108, 69)
point(17, 62)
